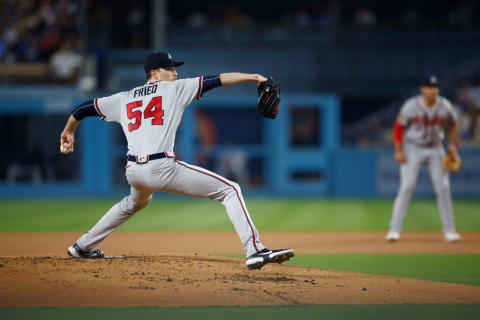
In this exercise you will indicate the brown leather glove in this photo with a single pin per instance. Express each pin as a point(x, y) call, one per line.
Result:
point(452, 162)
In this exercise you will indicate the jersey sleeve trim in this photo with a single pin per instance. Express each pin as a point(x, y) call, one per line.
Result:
point(199, 92)
point(98, 110)
point(209, 82)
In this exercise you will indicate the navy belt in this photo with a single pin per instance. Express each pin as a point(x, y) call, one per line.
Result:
point(143, 160)
point(428, 145)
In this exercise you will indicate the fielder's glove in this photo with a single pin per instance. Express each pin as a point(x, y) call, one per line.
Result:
point(451, 162)
point(268, 98)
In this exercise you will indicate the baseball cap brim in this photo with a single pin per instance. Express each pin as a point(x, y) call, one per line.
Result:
point(177, 63)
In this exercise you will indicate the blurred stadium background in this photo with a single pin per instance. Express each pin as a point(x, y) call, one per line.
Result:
point(346, 68)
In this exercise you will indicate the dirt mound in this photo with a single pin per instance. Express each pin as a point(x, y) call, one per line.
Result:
point(196, 280)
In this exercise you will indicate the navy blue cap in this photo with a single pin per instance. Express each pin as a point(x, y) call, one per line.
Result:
point(431, 81)
point(160, 60)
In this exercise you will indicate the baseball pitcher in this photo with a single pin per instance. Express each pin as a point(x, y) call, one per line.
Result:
point(149, 116)
point(418, 134)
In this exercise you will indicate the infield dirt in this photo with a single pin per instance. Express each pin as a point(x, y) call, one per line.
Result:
point(28, 278)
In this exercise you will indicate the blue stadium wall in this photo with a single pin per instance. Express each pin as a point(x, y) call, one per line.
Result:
point(325, 168)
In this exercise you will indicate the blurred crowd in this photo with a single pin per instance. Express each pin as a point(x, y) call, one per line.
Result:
point(46, 31)
point(33, 31)
point(57, 34)
point(326, 14)
point(468, 102)
point(119, 24)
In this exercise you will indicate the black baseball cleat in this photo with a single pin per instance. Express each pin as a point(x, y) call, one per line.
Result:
point(77, 253)
point(262, 257)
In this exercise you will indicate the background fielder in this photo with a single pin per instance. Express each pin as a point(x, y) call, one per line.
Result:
point(418, 134)
point(149, 116)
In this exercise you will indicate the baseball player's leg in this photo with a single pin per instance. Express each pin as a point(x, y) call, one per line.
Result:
point(441, 184)
point(118, 214)
point(198, 182)
point(408, 179)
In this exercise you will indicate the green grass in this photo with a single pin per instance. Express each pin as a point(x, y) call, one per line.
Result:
point(206, 215)
point(461, 269)
point(269, 215)
point(330, 312)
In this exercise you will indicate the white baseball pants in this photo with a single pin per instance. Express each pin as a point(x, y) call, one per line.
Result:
point(169, 175)
point(409, 171)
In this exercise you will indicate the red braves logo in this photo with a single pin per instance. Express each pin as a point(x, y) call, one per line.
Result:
point(427, 122)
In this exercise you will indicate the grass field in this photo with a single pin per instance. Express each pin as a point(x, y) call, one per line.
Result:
point(461, 269)
point(270, 215)
point(330, 312)
point(204, 215)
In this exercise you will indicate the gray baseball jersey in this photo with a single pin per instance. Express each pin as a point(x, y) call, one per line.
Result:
point(426, 125)
point(150, 114)
point(424, 131)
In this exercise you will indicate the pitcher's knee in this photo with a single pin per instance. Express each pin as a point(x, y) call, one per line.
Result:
point(234, 188)
point(230, 190)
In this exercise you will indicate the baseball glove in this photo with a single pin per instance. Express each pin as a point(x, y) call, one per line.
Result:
point(451, 162)
point(268, 98)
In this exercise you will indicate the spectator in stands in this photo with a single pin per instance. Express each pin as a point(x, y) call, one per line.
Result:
point(237, 19)
point(66, 63)
point(233, 164)
point(197, 20)
point(207, 135)
point(473, 96)
point(365, 17)
point(462, 101)
point(136, 26)
point(301, 18)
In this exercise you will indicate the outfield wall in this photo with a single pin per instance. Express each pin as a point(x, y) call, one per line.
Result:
point(297, 154)
point(374, 173)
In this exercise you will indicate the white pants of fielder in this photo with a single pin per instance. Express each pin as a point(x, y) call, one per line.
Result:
point(409, 171)
point(178, 177)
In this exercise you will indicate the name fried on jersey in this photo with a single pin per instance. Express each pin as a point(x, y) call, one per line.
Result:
point(145, 91)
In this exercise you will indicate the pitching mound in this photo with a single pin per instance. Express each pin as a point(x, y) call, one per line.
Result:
point(195, 280)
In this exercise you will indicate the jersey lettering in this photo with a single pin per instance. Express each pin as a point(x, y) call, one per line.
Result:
point(145, 91)
point(153, 110)
point(424, 124)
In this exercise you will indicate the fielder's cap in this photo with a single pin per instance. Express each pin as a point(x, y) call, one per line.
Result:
point(431, 81)
point(160, 60)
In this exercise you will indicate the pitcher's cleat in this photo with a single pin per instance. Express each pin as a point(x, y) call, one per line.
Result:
point(77, 253)
point(392, 236)
point(262, 257)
